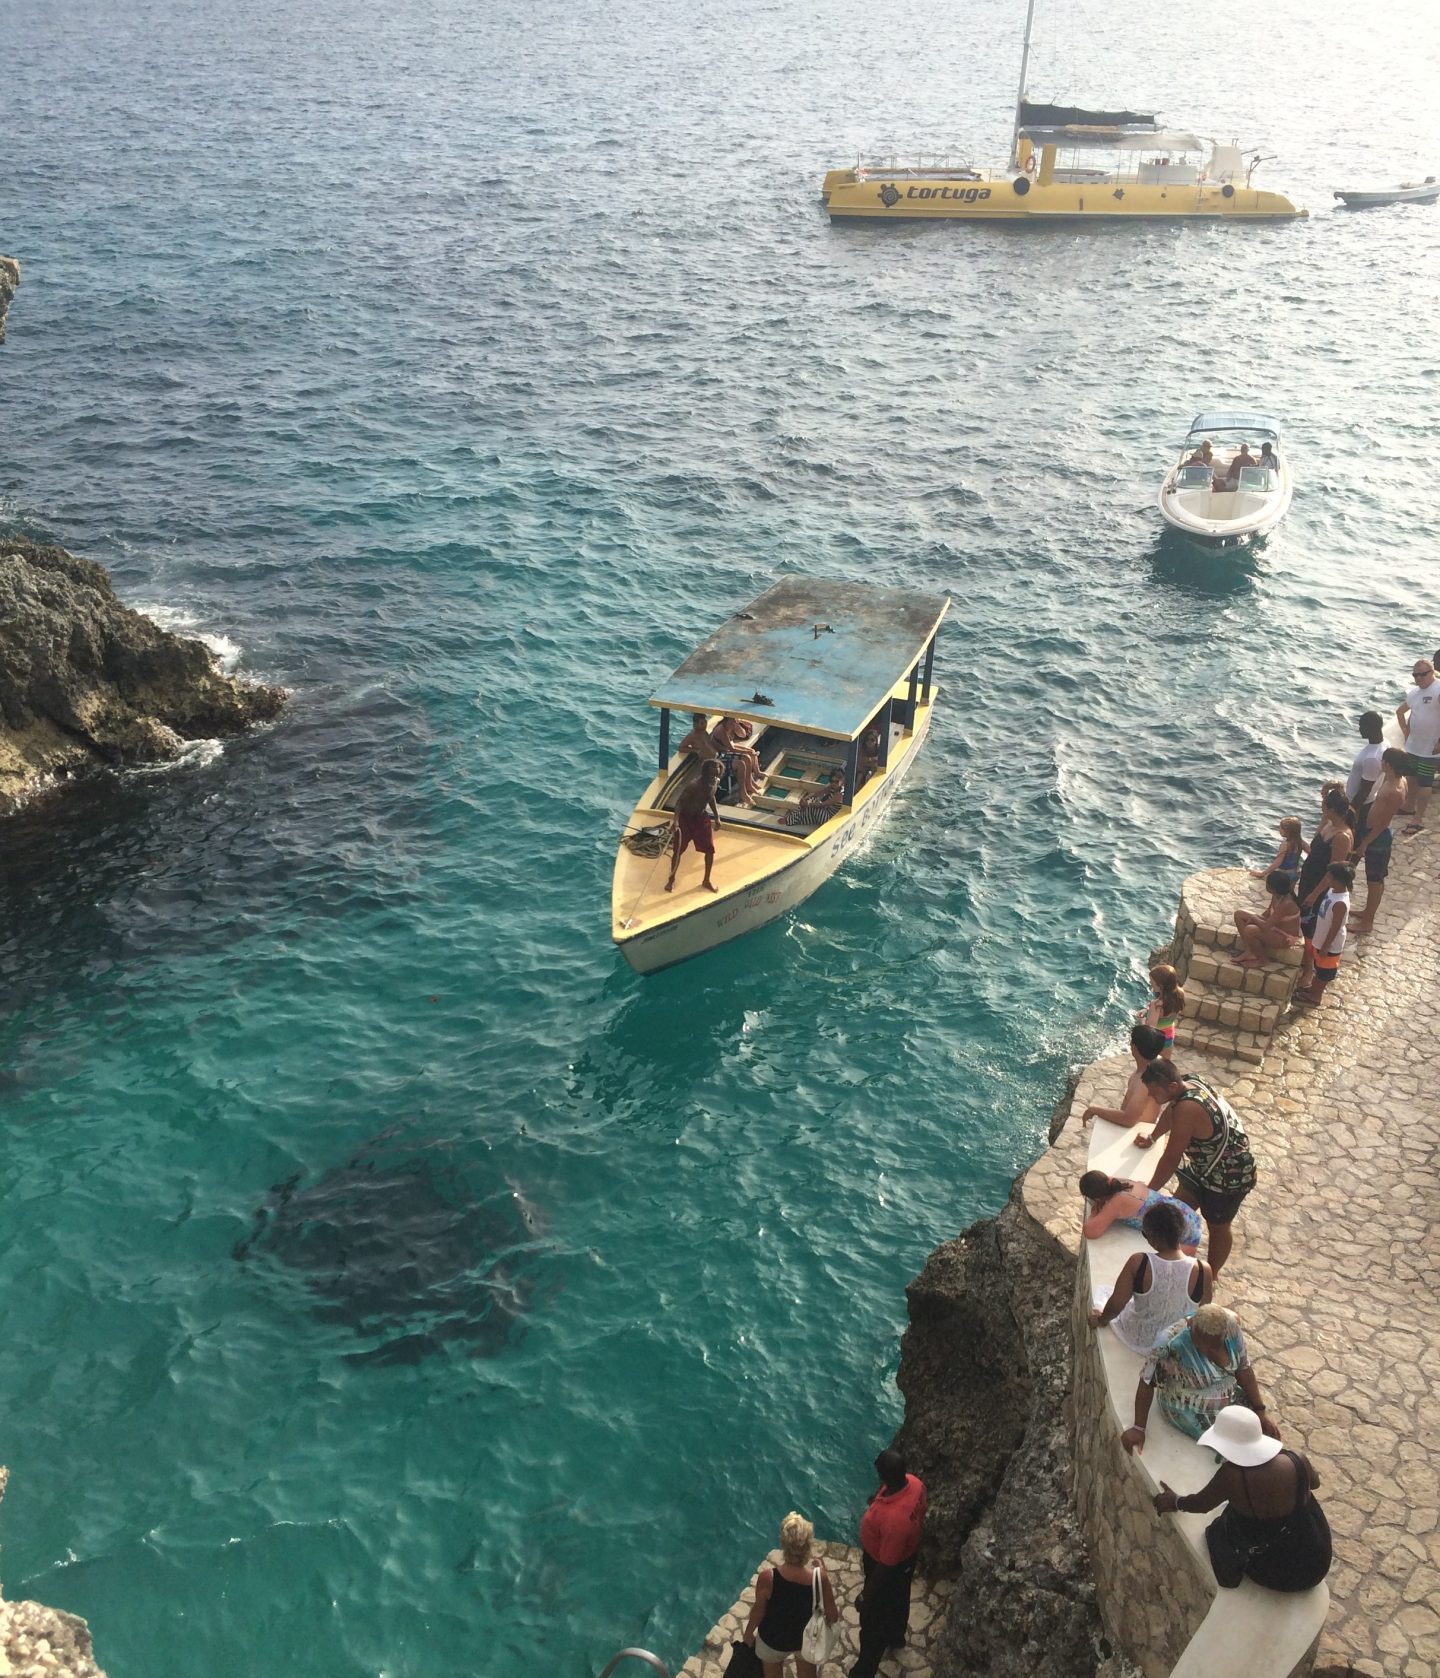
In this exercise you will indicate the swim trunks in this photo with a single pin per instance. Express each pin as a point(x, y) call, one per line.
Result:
point(696, 831)
point(1377, 856)
point(1215, 1208)
point(1326, 966)
point(1422, 769)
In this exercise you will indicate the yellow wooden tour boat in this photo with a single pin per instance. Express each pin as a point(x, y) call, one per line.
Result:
point(1059, 170)
point(837, 682)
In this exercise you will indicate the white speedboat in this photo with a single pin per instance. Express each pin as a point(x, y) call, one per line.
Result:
point(1410, 192)
point(1232, 480)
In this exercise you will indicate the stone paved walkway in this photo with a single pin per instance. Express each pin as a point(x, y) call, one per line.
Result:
point(1336, 1269)
point(927, 1604)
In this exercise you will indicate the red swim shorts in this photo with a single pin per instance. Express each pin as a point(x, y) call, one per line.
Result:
point(696, 831)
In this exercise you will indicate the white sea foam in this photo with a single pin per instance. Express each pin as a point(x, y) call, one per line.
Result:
point(180, 621)
point(194, 754)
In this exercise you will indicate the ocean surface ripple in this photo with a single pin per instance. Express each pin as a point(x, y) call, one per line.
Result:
point(460, 368)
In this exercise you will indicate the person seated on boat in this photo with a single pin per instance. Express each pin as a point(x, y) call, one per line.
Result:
point(869, 760)
point(1198, 458)
point(817, 807)
point(1267, 458)
point(728, 737)
point(698, 739)
point(1243, 458)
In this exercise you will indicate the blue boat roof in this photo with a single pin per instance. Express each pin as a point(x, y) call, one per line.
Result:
point(809, 654)
point(1238, 419)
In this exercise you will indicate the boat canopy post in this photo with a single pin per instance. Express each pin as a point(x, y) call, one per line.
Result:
point(885, 717)
point(664, 737)
point(852, 770)
point(914, 689)
point(929, 669)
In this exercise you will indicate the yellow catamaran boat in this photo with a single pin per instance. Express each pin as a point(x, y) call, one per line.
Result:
point(837, 683)
point(1059, 170)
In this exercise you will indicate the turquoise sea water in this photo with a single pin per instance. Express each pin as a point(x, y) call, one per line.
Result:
point(460, 367)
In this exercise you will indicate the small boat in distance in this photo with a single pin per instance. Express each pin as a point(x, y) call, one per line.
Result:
point(1411, 192)
point(836, 681)
point(1219, 490)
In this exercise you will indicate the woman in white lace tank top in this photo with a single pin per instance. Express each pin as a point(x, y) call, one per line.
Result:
point(1155, 1290)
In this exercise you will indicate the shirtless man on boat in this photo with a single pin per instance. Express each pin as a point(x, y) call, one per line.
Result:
point(698, 739)
point(696, 817)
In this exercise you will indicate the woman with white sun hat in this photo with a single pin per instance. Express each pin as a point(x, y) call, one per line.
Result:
point(1272, 1531)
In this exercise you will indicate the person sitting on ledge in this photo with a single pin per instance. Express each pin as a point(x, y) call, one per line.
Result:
point(1278, 928)
point(1201, 1128)
point(1152, 1293)
point(1196, 1369)
point(1292, 850)
point(1137, 1106)
point(1122, 1200)
point(1272, 1531)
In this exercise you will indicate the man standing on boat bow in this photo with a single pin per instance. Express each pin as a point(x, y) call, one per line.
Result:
point(696, 816)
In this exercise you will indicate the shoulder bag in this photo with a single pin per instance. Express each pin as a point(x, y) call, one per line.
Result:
point(821, 1641)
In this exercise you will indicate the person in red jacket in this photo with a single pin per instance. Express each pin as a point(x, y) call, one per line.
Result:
point(889, 1536)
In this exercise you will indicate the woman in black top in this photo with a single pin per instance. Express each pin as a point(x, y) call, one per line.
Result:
point(784, 1600)
point(1273, 1531)
point(1333, 841)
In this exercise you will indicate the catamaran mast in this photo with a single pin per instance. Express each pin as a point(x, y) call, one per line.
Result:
point(1020, 95)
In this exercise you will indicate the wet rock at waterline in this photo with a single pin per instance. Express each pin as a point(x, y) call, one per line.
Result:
point(9, 283)
point(36, 1640)
point(396, 1246)
point(86, 681)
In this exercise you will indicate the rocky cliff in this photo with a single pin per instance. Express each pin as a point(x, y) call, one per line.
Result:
point(40, 1642)
point(985, 1369)
point(84, 680)
point(9, 281)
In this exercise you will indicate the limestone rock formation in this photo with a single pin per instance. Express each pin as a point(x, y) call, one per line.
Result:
point(84, 680)
point(985, 1370)
point(9, 282)
point(40, 1642)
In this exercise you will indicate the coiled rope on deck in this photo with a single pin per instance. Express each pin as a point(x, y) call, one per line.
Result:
point(649, 841)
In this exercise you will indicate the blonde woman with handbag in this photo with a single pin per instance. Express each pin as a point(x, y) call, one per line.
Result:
point(787, 1597)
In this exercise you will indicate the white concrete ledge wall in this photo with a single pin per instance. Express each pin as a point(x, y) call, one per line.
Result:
point(1157, 1592)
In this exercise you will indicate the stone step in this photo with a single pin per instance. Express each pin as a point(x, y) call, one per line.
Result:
point(1240, 1010)
point(1226, 1042)
point(1274, 982)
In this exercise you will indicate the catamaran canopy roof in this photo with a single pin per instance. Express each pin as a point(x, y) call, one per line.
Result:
point(1060, 116)
point(1239, 419)
point(831, 683)
point(1116, 139)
